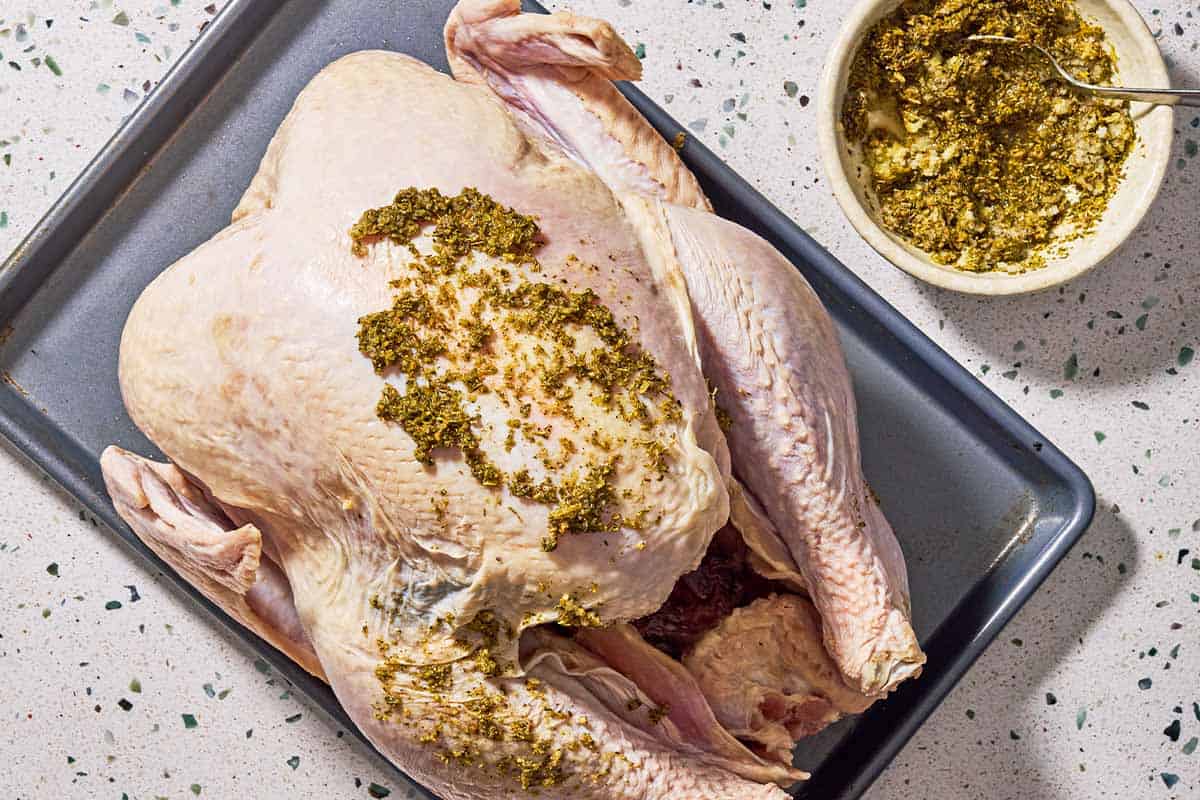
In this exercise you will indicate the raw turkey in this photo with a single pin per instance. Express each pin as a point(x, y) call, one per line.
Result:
point(477, 412)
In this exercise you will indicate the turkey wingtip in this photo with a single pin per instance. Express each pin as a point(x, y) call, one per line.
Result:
point(162, 505)
point(885, 672)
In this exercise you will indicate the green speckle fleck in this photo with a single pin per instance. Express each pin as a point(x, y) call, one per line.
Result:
point(52, 568)
point(189, 721)
point(112, 605)
point(375, 790)
point(1190, 747)
point(141, 37)
point(1186, 354)
point(294, 762)
point(640, 50)
point(121, 19)
point(53, 65)
point(135, 686)
point(790, 88)
point(1080, 718)
point(1140, 322)
point(1100, 437)
point(103, 88)
point(1056, 393)
point(1189, 148)
point(195, 787)
point(1071, 367)
point(1170, 779)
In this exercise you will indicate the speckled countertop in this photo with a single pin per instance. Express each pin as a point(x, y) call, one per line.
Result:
point(113, 686)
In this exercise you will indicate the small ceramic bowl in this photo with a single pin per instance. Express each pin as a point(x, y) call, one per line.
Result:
point(1139, 63)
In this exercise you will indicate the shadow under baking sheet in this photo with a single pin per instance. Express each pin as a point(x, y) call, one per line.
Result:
point(983, 506)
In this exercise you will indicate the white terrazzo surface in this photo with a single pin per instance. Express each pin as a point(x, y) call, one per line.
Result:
point(93, 696)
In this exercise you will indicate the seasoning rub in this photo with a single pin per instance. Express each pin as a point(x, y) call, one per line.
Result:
point(975, 154)
point(461, 327)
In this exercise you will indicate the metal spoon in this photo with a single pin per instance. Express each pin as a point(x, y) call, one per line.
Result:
point(1163, 97)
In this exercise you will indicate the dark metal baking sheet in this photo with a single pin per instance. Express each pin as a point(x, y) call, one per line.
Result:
point(983, 505)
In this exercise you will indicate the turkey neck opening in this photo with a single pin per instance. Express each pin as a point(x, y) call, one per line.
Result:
point(652, 654)
point(724, 581)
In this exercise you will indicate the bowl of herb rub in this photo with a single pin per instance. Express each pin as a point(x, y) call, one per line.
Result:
point(967, 163)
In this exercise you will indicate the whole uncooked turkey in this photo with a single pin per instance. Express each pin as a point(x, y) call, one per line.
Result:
point(550, 472)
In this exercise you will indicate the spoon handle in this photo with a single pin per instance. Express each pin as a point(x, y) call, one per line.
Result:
point(1163, 97)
